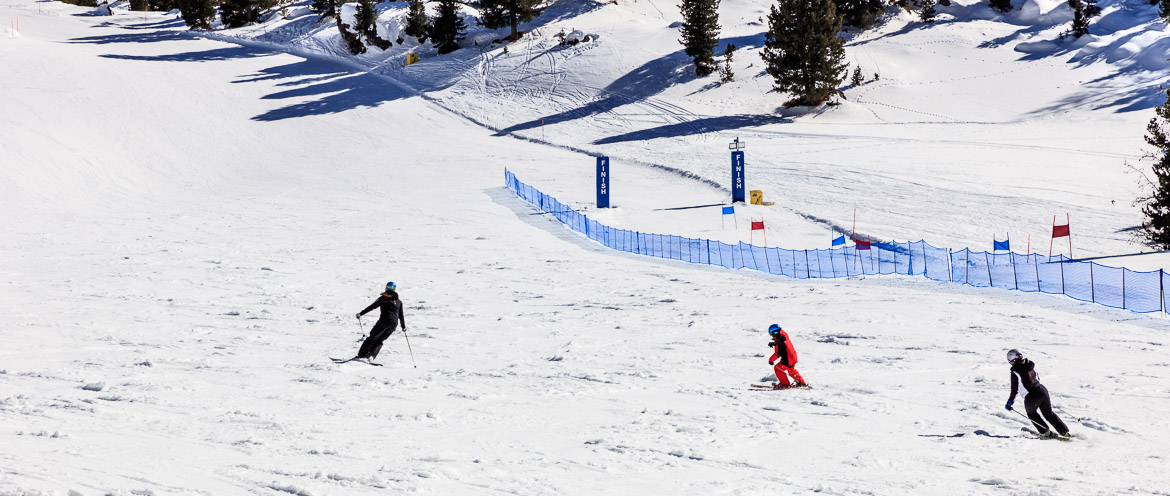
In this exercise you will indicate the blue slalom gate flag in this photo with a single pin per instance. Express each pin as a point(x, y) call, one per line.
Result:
point(1001, 245)
point(729, 210)
point(839, 240)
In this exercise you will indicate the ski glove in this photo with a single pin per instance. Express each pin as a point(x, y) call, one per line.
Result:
point(1008, 406)
point(771, 362)
point(359, 316)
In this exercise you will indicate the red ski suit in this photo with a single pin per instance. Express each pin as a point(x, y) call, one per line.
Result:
point(786, 354)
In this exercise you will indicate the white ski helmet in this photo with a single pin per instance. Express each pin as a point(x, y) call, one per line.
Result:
point(1014, 355)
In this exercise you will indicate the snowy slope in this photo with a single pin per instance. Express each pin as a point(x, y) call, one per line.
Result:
point(1001, 98)
point(191, 224)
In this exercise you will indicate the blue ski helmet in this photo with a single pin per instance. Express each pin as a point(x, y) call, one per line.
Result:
point(774, 329)
point(390, 286)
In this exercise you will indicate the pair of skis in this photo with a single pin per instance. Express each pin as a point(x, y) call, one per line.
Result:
point(354, 359)
point(775, 386)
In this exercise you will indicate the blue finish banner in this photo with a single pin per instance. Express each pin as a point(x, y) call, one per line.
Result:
point(603, 182)
point(737, 185)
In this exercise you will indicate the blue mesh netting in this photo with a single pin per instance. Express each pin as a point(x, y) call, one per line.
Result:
point(1108, 289)
point(1109, 286)
point(1078, 280)
point(1142, 291)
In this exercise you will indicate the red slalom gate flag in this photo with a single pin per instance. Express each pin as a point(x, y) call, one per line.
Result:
point(757, 225)
point(1060, 231)
point(862, 245)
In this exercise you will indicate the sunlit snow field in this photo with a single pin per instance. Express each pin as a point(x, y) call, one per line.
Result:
point(189, 225)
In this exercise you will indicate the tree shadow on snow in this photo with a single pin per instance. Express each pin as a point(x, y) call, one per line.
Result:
point(636, 86)
point(698, 126)
point(337, 87)
point(340, 89)
point(136, 37)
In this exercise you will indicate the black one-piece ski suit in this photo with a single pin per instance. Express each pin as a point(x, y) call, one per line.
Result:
point(391, 315)
point(1035, 397)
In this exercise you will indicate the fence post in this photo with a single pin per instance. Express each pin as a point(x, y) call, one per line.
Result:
point(1037, 266)
point(909, 263)
point(987, 259)
point(1092, 283)
point(1062, 278)
point(807, 270)
point(1123, 269)
point(950, 266)
point(1015, 276)
point(967, 266)
point(832, 264)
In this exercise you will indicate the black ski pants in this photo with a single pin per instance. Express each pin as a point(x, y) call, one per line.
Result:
point(373, 344)
point(1037, 403)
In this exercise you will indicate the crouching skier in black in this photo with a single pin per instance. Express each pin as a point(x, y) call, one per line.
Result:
point(1035, 396)
point(391, 315)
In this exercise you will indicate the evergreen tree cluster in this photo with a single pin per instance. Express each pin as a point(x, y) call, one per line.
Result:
point(324, 8)
point(1164, 10)
point(700, 33)
point(802, 50)
point(496, 14)
point(725, 73)
point(1003, 6)
point(417, 24)
point(447, 28)
point(198, 14)
point(928, 11)
point(236, 13)
point(366, 22)
point(1156, 228)
point(859, 14)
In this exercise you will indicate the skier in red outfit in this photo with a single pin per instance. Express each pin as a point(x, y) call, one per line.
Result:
point(786, 354)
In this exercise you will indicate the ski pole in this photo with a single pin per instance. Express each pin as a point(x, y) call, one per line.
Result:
point(1066, 414)
point(360, 326)
point(1029, 420)
point(407, 336)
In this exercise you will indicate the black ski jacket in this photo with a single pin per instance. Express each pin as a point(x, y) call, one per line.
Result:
point(391, 308)
point(1025, 373)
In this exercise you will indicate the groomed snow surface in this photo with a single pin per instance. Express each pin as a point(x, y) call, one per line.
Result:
point(190, 222)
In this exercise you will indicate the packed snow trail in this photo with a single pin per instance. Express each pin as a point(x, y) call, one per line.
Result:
point(175, 268)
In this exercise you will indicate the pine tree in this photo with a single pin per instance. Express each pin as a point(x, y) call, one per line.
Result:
point(1164, 10)
point(860, 13)
point(1003, 6)
point(1156, 228)
point(236, 13)
point(802, 51)
point(198, 14)
point(1080, 22)
point(857, 77)
point(325, 8)
point(496, 14)
point(162, 5)
point(350, 38)
point(366, 20)
point(448, 27)
point(1091, 9)
point(700, 33)
point(725, 73)
point(416, 20)
point(928, 11)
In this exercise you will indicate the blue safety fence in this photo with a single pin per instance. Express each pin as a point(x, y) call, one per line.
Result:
point(1087, 281)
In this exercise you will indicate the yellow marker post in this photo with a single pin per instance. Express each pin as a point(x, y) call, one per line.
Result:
point(757, 198)
point(411, 58)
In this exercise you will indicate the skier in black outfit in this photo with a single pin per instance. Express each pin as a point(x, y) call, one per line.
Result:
point(391, 315)
point(1035, 395)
